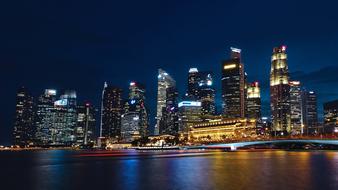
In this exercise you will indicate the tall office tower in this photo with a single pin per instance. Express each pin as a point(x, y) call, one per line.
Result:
point(233, 86)
point(280, 92)
point(193, 80)
point(253, 101)
point(296, 107)
point(331, 117)
point(169, 120)
point(189, 114)
point(86, 122)
point(130, 126)
point(111, 111)
point(164, 81)
point(65, 119)
point(206, 93)
point(136, 103)
point(309, 112)
point(45, 115)
point(24, 127)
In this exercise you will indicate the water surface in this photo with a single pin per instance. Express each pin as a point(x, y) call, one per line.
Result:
point(64, 169)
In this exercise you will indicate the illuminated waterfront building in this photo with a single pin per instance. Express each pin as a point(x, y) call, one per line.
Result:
point(193, 84)
point(233, 86)
point(111, 110)
point(44, 119)
point(86, 122)
point(296, 108)
point(136, 103)
point(331, 117)
point(309, 112)
point(280, 92)
point(164, 81)
point(206, 93)
point(169, 121)
point(24, 128)
point(130, 126)
point(65, 119)
point(253, 101)
point(222, 130)
point(189, 115)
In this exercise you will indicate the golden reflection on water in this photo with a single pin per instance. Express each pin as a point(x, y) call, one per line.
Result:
point(267, 169)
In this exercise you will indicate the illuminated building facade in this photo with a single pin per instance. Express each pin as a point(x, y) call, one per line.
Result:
point(164, 81)
point(189, 115)
point(193, 84)
point(136, 103)
point(130, 126)
point(309, 112)
point(253, 101)
point(86, 122)
point(331, 117)
point(233, 86)
point(111, 110)
point(206, 93)
point(44, 119)
point(222, 130)
point(24, 128)
point(169, 121)
point(280, 92)
point(296, 108)
point(65, 119)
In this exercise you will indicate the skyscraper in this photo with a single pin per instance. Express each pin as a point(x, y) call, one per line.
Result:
point(111, 110)
point(253, 101)
point(24, 127)
point(164, 81)
point(193, 82)
point(45, 115)
point(331, 117)
point(206, 93)
point(189, 114)
point(130, 126)
point(86, 122)
point(309, 112)
point(233, 86)
point(136, 104)
point(296, 108)
point(280, 92)
point(65, 119)
point(169, 120)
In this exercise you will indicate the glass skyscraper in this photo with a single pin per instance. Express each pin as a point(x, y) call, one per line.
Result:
point(206, 93)
point(24, 128)
point(45, 115)
point(86, 124)
point(164, 81)
point(169, 121)
point(136, 105)
point(309, 112)
point(296, 108)
point(111, 110)
point(233, 86)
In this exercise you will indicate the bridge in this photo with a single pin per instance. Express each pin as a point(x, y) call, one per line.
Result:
point(234, 146)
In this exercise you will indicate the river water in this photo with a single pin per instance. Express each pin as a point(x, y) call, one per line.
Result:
point(92, 170)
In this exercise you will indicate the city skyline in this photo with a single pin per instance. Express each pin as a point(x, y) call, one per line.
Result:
point(20, 69)
point(234, 54)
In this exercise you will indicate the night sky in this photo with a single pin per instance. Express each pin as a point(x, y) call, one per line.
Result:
point(80, 44)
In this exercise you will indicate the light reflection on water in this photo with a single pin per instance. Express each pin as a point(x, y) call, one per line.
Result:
point(59, 169)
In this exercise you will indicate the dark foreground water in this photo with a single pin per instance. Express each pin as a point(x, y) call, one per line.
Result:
point(60, 169)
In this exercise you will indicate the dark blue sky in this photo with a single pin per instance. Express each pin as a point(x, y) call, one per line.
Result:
point(80, 44)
